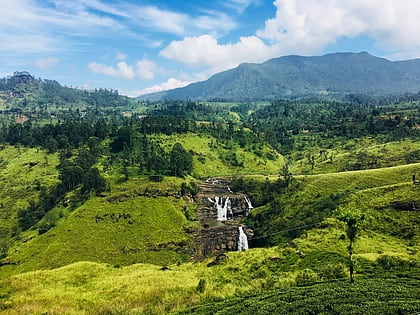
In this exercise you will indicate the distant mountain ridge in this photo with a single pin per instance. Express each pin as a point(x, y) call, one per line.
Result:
point(294, 76)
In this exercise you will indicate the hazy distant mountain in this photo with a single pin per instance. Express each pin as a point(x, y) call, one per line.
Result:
point(293, 76)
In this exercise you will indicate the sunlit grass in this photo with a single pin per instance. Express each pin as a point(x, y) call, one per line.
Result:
point(207, 162)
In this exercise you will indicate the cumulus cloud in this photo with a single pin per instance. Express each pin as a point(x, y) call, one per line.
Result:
point(123, 70)
point(308, 27)
point(147, 69)
point(171, 83)
point(45, 63)
point(206, 51)
point(144, 69)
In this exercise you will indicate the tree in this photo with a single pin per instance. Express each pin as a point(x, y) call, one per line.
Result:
point(181, 160)
point(285, 176)
point(123, 140)
point(93, 181)
point(51, 145)
point(71, 176)
point(85, 159)
point(353, 220)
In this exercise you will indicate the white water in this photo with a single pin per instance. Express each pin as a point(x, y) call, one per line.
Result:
point(222, 208)
point(249, 203)
point(243, 240)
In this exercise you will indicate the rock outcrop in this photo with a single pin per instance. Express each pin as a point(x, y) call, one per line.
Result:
point(220, 210)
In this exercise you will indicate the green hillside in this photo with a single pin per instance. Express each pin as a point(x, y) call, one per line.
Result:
point(387, 196)
point(25, 173)
point(319, 254)
point(214, 158)
point(124, 227)
point(100, 205)
point(137, 220)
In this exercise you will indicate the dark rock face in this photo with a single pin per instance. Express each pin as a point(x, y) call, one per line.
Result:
point(219, 235)
point(217, 239)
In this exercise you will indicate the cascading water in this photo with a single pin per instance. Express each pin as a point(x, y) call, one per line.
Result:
point(222, 209)
point(242, 240)
point(249, 204)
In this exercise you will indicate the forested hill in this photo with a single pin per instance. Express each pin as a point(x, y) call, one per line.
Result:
point(294, 76)
point(23, 90)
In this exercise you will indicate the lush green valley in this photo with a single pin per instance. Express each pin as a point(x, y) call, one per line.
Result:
point(99, 203)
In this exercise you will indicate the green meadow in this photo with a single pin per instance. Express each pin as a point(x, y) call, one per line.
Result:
point(209, 156)
point(106, 256)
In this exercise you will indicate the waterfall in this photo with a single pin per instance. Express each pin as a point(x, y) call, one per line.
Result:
point(222, 209)
point(243, 240)
point(249, 203)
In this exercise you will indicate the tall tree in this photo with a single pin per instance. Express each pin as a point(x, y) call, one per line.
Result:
point(181, 160)
point(353, 220)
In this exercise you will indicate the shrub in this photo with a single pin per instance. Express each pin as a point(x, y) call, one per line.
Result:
point(333, 271)
point(45, 227)
point(390, 262)
point(306, 276)
point(201, 286)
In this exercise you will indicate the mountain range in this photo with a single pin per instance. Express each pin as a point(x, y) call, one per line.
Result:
point(294, 76)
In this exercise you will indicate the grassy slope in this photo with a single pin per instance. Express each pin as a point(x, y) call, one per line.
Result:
point(22, 172)
point(138, 221)
point(386, 230)
point(125, 227)
point(365, 150)
point(92, 288)
point(213, 166)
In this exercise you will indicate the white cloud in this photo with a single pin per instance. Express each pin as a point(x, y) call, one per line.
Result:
point(214, 23)
point(308, 27)
point(38, 26)
point(239, 5)
point(123, 70)
point(144, 69)
point(206, 51)
point(171, 83)
point(147, 69)
point(160, 20)
point(45, 63)
point(26, 26)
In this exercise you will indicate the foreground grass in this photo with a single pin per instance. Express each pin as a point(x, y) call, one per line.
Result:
point(366, 296)
point(92, 288)
point(256, 281)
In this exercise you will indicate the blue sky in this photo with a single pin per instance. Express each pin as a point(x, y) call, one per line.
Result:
point(145, 46)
